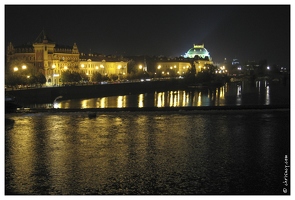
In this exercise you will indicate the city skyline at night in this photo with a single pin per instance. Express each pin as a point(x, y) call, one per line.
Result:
point(147, 98)
point(245, 32)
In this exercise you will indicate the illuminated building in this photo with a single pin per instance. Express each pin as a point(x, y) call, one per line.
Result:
point(177, 67)
point(201, 57)
point(52, 59)
point(105, 65)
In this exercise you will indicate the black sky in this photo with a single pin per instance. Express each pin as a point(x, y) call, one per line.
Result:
point(242, 31)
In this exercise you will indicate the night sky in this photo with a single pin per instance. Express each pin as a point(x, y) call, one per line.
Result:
point(244, 32)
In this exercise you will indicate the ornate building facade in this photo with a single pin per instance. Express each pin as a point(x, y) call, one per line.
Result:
point(201, 57)
point(52, 60)
point(197, 56)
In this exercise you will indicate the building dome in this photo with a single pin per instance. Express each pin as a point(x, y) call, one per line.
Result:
point(197, 50)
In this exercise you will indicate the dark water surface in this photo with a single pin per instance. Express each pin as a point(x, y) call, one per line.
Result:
point(209, 152)
point(231, 94)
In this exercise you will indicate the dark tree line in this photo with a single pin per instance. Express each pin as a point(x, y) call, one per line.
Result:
point(14, 80)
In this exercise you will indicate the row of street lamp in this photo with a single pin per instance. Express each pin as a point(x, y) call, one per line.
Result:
point(16, 68)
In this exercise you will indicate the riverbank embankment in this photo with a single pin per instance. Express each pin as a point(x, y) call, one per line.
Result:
point(195, 109)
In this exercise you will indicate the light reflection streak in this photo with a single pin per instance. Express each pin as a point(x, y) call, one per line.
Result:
point(140, 100)
point(84, 104)
point(161, 99)
point(199, 99)
point(267, 99)
point(121, 102)
point(170, 98)
point(239, 93)
point(222, 91)
point(184, 98)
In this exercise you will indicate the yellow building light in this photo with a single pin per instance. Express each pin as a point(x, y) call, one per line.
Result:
point(24, 67)
point(15, 69)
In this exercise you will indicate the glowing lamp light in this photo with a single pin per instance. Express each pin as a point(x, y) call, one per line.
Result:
point(24, 67)
point(15, 69)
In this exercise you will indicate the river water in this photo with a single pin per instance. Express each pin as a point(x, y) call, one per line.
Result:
point(187, 152)
point(231, 94)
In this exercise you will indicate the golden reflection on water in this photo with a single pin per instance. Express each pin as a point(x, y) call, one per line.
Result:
point(114, 153)
point(61, 152)
point(221, 96)
point(23, 155)
point(141, 100)
point(160, 101)
point(199, 99)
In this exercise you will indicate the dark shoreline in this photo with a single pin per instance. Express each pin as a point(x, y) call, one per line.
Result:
point(164, 109)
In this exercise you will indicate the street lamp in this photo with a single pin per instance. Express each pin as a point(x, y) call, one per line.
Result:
point(15, 69)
